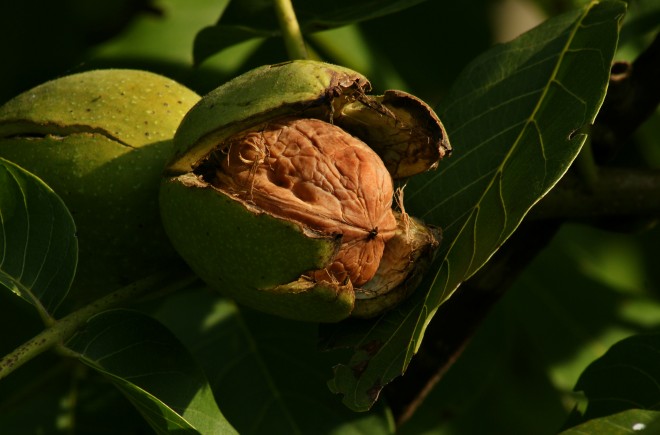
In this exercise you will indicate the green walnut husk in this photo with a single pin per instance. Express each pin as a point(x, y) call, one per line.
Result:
point(101, 139)
point(270, 257)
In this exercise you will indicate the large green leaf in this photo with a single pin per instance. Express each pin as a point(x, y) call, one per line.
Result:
point(247, 19)
point(626, 377)
point(38, 247)
point(542, 335)
point(516, 118)
point(266, 372)
point(153, 369)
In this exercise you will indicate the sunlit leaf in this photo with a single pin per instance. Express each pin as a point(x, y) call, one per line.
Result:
point(247, 19)
point(165, 37)
point(152, 369)
point(633, 421)
point(515, 119)
point(266, 372)
point(163, 42)
point(38, 247)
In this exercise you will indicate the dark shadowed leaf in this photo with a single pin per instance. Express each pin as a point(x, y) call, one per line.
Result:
point(519, 369)
point(152, 369)
point(56, 396)
point(247, 19)
point(38, 247)
point(626, 377)
point(515, 118)
point(266, 372)
point(633, 421)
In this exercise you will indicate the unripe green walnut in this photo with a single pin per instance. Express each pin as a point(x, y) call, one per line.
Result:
point(281, 191)
point(100, 139)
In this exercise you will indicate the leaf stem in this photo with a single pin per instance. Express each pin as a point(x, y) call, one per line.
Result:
point(293, 39)
point(64, 328)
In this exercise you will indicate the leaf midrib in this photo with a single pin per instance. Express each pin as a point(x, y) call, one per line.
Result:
point(531, 119)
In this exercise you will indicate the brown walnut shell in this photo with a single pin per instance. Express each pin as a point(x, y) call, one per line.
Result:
point(315, 173)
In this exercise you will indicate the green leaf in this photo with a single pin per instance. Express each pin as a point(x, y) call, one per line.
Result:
point(213, 39)
point(247, 19)
point(38, 247)
point(266, 372)
point(541, 336)
point(633, 421)
point(152, 369)
point(159, 40)
point(516, 118)
point(642, 21)
point(626, 377)
point(52, 396)
point(595, 265)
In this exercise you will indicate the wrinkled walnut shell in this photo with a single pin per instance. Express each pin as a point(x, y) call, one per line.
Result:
point(315, 173)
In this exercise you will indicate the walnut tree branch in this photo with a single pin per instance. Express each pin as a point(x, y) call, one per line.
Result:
point(617, 193)
point(633, 95)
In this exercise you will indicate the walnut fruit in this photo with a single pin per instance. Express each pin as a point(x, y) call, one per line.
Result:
point(101, 139)
point(282, 191)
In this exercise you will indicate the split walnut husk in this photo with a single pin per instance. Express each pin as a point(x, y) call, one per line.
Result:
point(282, 193)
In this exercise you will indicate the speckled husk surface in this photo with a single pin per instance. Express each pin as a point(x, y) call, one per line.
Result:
point(100, 139)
